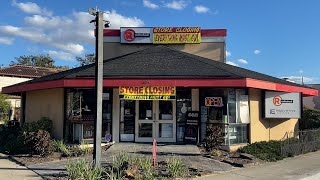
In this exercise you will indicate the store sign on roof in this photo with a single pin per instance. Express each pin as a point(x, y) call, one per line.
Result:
point(161, 35)
point(136, 35)
point(176, 35)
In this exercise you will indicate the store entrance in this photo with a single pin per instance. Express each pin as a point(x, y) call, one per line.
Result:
point(155, 120)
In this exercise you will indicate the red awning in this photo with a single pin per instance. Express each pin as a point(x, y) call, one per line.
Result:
point(228, 83)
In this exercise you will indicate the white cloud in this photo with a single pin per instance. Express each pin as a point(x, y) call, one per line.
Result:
point(69, 33)
point(228, 53)
point(31, 8)
point(48, 22)
point(257, 51)
point(118, 20)
point(201, 9)
point(37, 36)
point(300, 71)
point(148, 4)
point(242, 61)
point(61, 55)
point(232, 63)
point(6, 40)
point(177, 5)
point(298, 79)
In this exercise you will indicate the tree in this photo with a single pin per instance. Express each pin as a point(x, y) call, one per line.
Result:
point(34, 60)
point(4, 108)
point(87, 59)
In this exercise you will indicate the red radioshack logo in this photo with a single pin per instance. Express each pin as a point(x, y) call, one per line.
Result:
point(129, 35)
point(277, 100)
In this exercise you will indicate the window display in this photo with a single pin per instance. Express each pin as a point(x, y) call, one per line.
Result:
point(227, 108)
point(183, 105)
point(81, 112)
point(127, 120)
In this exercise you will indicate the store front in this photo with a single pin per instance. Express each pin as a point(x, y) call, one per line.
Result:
point(161, 115)
point(172, 93)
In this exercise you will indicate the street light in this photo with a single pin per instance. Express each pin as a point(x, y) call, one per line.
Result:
point(100, 24)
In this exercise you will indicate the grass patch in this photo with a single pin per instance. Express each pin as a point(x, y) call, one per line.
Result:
point(61, 147)
point(176, 167)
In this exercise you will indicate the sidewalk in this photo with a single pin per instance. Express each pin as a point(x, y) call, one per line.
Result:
point(306, 167)
point(12, 170)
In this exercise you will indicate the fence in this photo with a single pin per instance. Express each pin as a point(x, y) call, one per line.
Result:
point(300, 142)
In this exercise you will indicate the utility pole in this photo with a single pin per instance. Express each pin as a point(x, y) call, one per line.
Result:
point(98, 85)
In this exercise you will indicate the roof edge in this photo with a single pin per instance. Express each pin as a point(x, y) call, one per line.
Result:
point(186, 82)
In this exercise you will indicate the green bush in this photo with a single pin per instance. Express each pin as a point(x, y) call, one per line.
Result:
point(12, 141)
point(61, 147)
point(268, 151)
point(38, 143)
point(310, 119)
point(176, 167)
point(214, 137)
point(43, 124)
point(4, 108)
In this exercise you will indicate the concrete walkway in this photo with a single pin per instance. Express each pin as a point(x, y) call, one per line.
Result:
point(12, 170)
point(306, 167)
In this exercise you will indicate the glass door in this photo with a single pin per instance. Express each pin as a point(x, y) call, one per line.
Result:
point(166, 121)
point(155, 120)
point(145, 124)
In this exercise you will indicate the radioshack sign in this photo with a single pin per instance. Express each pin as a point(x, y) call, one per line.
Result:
point(160, 35)
point(282, 105)
point(136, 35)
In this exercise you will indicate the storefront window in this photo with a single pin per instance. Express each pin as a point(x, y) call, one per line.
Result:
point(226, 108)
point(213, 109)
point(145, 110)
point(81, 112)
point(238, 116)
point(183, 105)
point(127, 121)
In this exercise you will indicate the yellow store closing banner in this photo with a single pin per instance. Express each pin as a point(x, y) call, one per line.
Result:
point(171, 35)
point(147, 92)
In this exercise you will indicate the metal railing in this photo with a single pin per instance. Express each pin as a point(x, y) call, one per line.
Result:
point(300, 142)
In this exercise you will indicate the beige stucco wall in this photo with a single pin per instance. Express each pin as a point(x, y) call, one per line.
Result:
point(46, 103)
point(8, 81)
point(266, 129)
point(214, 50)
point(14, 100)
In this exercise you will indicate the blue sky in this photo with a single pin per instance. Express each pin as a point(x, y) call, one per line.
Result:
point(279, 38)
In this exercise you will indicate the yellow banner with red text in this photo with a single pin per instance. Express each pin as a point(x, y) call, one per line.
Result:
point(176, 35)
point(147, 92)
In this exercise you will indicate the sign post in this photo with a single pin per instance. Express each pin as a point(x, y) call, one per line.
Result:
point(154, 152)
